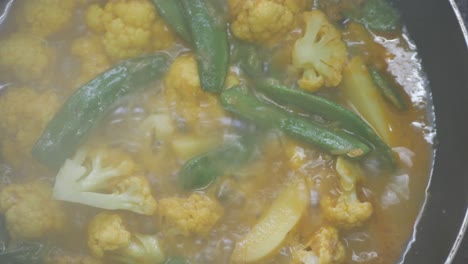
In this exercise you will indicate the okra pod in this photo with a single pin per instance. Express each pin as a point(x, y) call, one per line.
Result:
point(335, 141)
point(173, 15)
point(209, 38)
point(203, 169)
point(314, 104)
point(388, 90)
point(83, 111)
point(248, 57)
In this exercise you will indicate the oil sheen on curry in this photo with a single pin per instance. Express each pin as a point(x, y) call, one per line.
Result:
point(210, 131)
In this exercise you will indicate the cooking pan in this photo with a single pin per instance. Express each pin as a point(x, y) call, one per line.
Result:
point(437, 30)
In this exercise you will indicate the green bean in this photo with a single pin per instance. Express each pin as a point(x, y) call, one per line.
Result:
point(388, 90)
point(337, 142)
point(201, 170)
point(314, 104)
point(83, 111)
point(210, 43)
point(173, 15)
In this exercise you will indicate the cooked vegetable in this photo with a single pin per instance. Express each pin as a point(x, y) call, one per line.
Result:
point(248, 57)
point(200, 171)
point(324, 247)
point(128, 28)
point(171, 11)
point(82, 112)
point(335, 141)
point(109, 238)
point(377, 15)
point(269, 233)
point(196, 214)
point(360, 90)
point(30, 212)
point(329, 110)
point(176, 260)
point(104, 178)
point(321, 53)
point(264, 22)
point(346, 211)
point(210, 43)
point(388, 90)
point(24, 253)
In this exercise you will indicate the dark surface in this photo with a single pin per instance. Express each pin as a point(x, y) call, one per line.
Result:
point(463, 6)
point(433, 26)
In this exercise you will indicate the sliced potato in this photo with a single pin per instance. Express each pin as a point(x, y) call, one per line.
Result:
point(268, 234)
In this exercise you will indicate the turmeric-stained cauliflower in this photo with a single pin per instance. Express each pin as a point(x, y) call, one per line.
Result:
point(106, 178)
point(325, 247)
point(25, 113)
point(45, 17)
point(346, 211)
point(30, 211)
point(321, 53)
point(93, 58)
point(184, 94)
point(25, 56)
point(129, 28)
point(196, 214)
point(109, 239)
point(263, 21)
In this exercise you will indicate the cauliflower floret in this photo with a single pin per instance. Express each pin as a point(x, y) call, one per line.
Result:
point(321, 53)
point(263, 21)
point(24, 56)
point(196, 214)
point(325, 247)
point(25, 113)
point(106, 178)
point(29, 210)
point(346, 211)
point(129, 28)
point(93, 58)
point(45, 17)
point(109, 238)
point(184, 93)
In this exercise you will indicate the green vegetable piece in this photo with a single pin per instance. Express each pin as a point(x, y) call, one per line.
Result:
point(173, 15)
point(337, 142)
point(83, 111)
point(210, 43)
point(249, 59)
point(203, 169)
point(378, 15)
point(176, 260)
point(388, 90)
point(329, 110)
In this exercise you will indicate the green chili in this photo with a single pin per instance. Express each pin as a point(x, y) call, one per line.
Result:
point(173, 15)
point(389, 91)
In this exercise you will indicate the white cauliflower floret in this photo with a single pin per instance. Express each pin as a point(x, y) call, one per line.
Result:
point(325, 247)
point(25, 113)
point(30, 211)
point(105, 178)
point(92, 56)
point(321, 53)
point(263, 21)
point(25, 56)
point(184, 94)
point(109, 239)
point(196, 214)
point(129, 28)
point(45, 17)
point(346, 211)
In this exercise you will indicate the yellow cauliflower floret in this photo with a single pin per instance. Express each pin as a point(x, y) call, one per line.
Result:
point(325, 247)
point(321, 53)
point(263, 21)
point(30, 211)
point(25, 113)
point(107, 232)
point(25, 56)
point(93, 58)
point(45, 17)
point(129, 28)
point(184, 94)
point(196, 214)
point(346, 211)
